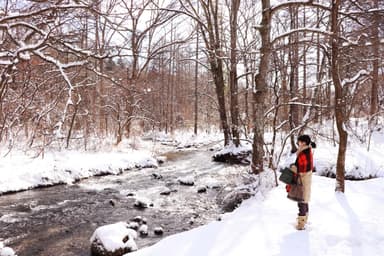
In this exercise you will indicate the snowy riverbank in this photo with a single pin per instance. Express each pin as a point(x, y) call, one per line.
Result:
point(21, 171)
point(339, 224)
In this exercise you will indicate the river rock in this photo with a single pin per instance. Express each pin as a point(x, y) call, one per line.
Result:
point(212, 183)
point(166, 192)
point(113, 240)
point(202, 189)
point(186, 181)
point(157, 176)
point(112, 202)
point(133, 225)
point(142, 203)
point(137, 219)
point(143, 230)
point(161, 159)
point(233, 199)
point(23, 208)
point(158, 231)
point(6, 251)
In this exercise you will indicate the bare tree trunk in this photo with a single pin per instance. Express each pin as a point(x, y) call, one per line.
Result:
point(247, 124)
point(261, 90)
point(212, 39)
point(196, 82)
point(375, 65)
point(72, 124)
point(119, 132)
point(375, 75)
point(218, 79)
point(294, 76)
point(318, 69)
point(235, 4)
point(339, 98)
point(304, 62)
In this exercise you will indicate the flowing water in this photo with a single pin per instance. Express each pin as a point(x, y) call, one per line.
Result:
point(59, 220)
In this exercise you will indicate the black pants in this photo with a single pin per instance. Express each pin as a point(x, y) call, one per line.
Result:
point(303, 209)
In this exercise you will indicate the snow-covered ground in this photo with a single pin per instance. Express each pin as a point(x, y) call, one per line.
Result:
point(20, 172)
point(186, 138)
point(360, 163)
point(339, 224)
point(349, 224)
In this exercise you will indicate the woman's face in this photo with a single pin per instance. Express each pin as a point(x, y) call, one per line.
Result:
point(301, 143)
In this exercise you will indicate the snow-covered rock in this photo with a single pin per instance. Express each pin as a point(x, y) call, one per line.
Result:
point(157, 176)
point(158, 231)
point(137, 219)
point(186, 181)
point(166, 192)
point(143, 230)
point(6, 251)
point(133, 225)
point(202, 189)
point(113, 240)
point(234, 198)
point(234, 155)
point(212, 183)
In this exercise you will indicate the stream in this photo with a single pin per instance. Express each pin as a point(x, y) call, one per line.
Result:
point(59, 220)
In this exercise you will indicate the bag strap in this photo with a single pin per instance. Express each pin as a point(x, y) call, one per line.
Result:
point(299, 178)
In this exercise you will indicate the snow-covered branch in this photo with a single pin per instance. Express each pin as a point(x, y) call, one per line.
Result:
point(308, 3)
point(361, 74)
point(299, 30)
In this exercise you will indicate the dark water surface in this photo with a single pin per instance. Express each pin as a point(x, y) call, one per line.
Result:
point(59, 220)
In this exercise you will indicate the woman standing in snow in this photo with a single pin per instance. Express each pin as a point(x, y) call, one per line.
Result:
point(304, 167)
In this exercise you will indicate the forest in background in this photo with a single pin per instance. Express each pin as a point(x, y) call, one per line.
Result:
point(75, 71)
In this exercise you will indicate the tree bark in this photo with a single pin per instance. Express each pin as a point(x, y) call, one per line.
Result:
point(72, 124)
point(375, 66)
point(260, 91)
point(294, 75)
point(212, 39)
point(235, 4)
point(196, 116)
point(339, 98)
point(218, 78)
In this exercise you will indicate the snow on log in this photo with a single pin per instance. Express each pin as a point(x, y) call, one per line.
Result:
point(234, 155)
